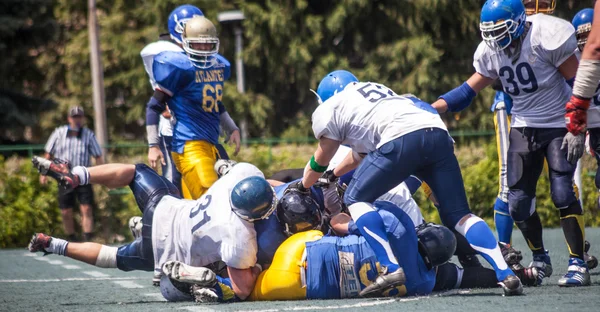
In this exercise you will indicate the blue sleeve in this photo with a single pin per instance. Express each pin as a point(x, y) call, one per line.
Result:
point(169, 69)
point(269, 235)
point(346, 178)
point(226, 67)
point(153, 110)
point(413, 183)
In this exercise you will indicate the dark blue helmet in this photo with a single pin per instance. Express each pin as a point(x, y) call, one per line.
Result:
point(502, 21)
point(253, 199)
point(583, 25)
point(298, 212)
point(333, 83)
point(177, 20)
point(437, 244)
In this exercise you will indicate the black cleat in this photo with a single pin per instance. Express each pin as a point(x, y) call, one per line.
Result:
point(383, 282)
point(39, 242)
point(59, 170)
point(512, 286)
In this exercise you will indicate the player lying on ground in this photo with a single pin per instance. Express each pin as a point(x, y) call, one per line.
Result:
point(216, 227)
point(393, 137)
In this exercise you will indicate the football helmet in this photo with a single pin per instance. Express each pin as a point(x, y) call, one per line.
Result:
point(539, 6)
point(177, 20)
point(502, 21)
point(333, 83)
point(583, 25)
point(298, 212)
point(200, 41)
point(253, 199)
point(437, 244)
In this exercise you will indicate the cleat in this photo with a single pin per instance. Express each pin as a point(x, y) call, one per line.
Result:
point(135, 226)
point(592, 261)
point(384, 281)
point(156, 279)
point(188, 274)
point(543, 263)
point(59, 170)
point(577, 274)
point(204, 294)
point(510, 254)
point(39, 242)
point(512, 286)
point(469, 261)
point(529, 276)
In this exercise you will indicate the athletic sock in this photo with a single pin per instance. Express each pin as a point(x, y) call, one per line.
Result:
point(57, 246)
point(371, 226)
point(532, 232)
point(224, 290)
point(503, 221)
point(482, 239)
point(571, 221)
point(82, 173)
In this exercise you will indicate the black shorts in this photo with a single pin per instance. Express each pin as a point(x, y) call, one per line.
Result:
point(84, 194)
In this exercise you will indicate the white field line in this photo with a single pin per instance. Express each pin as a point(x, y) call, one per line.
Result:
point(71, 267)
point(95, 274)
point(70, 279)
point(45, 259)
point(56, 262)
point(156, 296)
point(29, 254)
point(128, 284)
point(331, 307)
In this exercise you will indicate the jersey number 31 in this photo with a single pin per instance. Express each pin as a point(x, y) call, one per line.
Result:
point(199, 214)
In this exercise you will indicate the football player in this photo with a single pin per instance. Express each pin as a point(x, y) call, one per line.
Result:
point(179, 236)
point(191, 83)
point(393, 137)
point(501, 109)
point(534, 59)
point(583, 25)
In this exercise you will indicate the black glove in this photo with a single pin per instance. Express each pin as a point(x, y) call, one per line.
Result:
point(328, 177)
point(297, 187)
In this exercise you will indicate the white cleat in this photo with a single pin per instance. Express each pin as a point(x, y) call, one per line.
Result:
point(188, 274)
point(204, 295)
point(135, 226)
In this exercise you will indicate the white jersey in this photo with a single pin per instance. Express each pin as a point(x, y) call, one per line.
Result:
point(399, 195)
point(366, 115)
point(200, 232)
point(165, 128)
point(593, 113)
point(538, 90)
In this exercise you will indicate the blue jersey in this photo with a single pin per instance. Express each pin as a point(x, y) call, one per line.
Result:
point(196, 96)
point(269, 232)
point(502, 97)
point(339, 267)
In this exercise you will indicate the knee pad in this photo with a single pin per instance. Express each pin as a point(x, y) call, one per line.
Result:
point(514, 170)
point(173, 292)
point(562, 192)
point(107, 258)
point(521, 206)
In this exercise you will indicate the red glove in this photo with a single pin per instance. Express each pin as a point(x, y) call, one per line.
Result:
point(576, 116)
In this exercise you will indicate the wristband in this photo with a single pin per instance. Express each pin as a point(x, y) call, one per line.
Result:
point(314, 165)
point(459, 98)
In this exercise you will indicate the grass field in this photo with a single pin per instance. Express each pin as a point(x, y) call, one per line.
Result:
point(30, 282)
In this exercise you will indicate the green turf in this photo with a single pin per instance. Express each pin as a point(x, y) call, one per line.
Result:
point(63, 290)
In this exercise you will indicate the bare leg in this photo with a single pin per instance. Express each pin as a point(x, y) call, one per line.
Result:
point(87, 218)
point(86, 252)
point(67, 220)
point(112, 175)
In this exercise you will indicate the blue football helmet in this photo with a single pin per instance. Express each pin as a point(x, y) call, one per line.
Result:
point(253, 199)
point(437, 244)
point(177, 20)
point(333, 83)
point(583, 25)
point(298, 212)
point(502, 21)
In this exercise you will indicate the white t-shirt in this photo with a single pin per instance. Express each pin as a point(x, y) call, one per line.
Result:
point(366, 115)
point(538, 90)
point(200, 232)
point(165, 128)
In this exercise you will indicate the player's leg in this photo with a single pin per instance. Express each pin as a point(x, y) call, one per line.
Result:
point(91, 253)
point(571, 213)
point(66, 202)
point(445, 179)
point(502, 218)
point(85, 196)
point(196, 165)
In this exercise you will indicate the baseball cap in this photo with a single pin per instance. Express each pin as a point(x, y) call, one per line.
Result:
point(76, 111)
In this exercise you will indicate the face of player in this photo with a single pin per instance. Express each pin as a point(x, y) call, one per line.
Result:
point(203, 46)
point(538, 6)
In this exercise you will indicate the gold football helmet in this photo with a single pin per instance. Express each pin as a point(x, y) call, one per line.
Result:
point(539, 6)
point(200, 41)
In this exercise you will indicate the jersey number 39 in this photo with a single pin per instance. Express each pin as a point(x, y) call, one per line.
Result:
point(199, 214)
point(522, 76)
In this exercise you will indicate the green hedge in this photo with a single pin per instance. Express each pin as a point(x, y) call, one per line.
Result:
point(27, 207)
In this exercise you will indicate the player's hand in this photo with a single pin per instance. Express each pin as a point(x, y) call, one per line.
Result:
point(154, 155)
point(43, 180)
point(297, 187)
point(328, 178)
point(575, 145)
point(576, 116)
point(235, 139)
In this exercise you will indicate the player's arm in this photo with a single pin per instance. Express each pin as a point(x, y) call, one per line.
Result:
point(569, 68)
point(349, 163)
point(461, 97)
point(232, 130)
point(154, 108)
point(339, 224)
point(243, 280)
point(319, 162)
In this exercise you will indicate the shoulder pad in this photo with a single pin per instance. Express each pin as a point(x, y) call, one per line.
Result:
point(222, 61)
point(175, 59)
point(550, 32)
point(157, 47)
point(321, 118)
